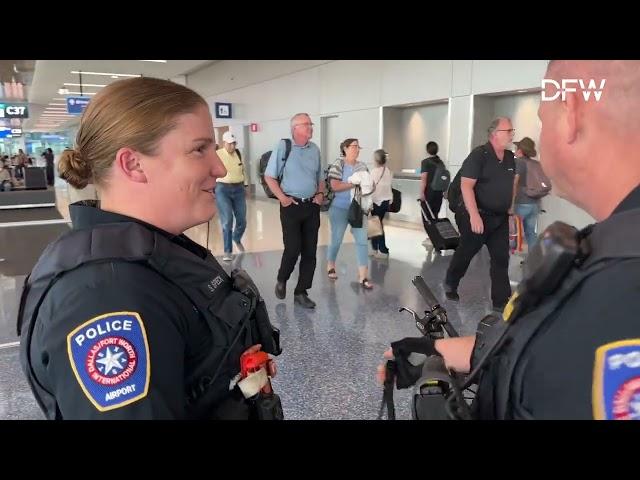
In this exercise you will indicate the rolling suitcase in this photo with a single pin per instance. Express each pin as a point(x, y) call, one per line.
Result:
point(442, 233)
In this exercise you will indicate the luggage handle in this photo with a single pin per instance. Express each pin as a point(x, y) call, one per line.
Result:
point(430, 212)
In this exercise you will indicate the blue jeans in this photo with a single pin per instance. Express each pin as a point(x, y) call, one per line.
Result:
point(231, 202)
point(338, 218)
point(528, 212)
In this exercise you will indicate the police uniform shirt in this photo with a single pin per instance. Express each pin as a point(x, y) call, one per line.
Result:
point(564, 369)
point(494, 186)
point(178, 338)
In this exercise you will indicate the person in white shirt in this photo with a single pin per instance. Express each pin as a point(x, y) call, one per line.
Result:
point(382, 198)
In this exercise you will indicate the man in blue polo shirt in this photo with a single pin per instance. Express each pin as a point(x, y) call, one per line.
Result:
point(298, 184)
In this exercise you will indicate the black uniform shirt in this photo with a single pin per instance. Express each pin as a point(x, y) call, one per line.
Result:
point(178, 337)
point(575, 365)
point(494, 186)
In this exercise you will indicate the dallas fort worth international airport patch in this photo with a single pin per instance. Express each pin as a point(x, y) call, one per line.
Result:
point(616, 381)
point(109, 355)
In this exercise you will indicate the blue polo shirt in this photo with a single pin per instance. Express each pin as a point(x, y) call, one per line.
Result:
point(302, 171)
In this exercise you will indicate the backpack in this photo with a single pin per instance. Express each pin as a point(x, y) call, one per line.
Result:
point(441, 178)
point(454, 192)
point(264, 161)
point(538, 184)
point(329, 194)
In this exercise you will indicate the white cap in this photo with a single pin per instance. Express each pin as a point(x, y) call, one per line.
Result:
point(229, 137)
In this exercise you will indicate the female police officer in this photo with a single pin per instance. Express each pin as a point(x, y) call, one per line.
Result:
point(124, 316)
point(571, 348)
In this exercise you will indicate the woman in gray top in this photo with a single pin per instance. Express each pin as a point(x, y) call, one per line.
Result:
point(525, 207)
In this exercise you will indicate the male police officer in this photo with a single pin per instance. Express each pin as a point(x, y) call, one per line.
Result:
point(572, 346)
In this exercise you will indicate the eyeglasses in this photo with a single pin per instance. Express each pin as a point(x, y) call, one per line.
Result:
point(510, 130)
point(355, 145)
point(308, 124)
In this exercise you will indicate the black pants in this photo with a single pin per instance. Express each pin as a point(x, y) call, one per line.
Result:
point(300, 224)
point(434, 199)
point(378, 243)
point(50, 174)
point(496, 238)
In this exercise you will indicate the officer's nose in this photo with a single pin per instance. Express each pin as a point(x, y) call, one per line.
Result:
point(218, 169)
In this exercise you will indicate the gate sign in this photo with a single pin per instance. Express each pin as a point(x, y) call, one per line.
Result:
point(14, 110)
point(223, 110)
point(76, 105)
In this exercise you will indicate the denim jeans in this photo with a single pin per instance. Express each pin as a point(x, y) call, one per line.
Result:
point(528, 212)
point(338, 218)
point(231, 202)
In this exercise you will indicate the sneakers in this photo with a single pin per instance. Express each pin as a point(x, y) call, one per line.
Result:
point(239, 246)
point(303, 300)
point(381, 255)
point(227, 257)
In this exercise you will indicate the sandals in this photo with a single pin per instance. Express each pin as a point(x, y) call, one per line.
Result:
point(366, 284)
point(332, 274)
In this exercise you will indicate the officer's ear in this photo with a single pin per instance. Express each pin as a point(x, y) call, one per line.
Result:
point(571, 107)
point(128, 161)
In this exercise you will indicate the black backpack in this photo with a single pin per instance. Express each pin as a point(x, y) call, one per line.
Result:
point(264, 161)
point(441, 178)
point(454, 192)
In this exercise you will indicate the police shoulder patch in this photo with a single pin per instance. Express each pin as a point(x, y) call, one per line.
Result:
point(109, 355)
point(616, 381)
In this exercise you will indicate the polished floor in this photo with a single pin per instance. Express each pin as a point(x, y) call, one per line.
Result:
point(327, 369)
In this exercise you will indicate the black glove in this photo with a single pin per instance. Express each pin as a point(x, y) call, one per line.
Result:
point(407, 373)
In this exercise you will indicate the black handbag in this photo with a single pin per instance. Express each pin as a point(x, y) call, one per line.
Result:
point(396, 204)
point(356, 213)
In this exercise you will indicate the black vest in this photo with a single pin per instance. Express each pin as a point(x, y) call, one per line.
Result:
point(616, 239)
point(235, 319)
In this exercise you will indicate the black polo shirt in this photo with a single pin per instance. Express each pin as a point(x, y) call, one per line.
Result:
point(561, 378)
point(494, 186)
